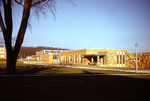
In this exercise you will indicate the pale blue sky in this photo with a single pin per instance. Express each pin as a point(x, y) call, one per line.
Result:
point(91, 24)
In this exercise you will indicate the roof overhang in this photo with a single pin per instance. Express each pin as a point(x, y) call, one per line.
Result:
point(93, 55)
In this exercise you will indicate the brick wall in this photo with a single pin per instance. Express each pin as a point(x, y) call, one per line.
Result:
point(48, 58)
point(111, 59)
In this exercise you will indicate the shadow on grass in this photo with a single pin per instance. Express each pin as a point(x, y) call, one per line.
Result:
point(53, 70)
point(74, 88)
point(2, 70)
point(26, 70)
point(87, 72)
point(30, 70)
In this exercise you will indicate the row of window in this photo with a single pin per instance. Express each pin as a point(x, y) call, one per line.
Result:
point(50, 52)
point(134, 59)
point(69, 59)
point(120, 59)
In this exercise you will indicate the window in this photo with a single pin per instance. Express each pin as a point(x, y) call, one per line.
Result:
point(58, 60)
point(123, 59)
point(81, 58)
point(1, 52)
point(66, 59)
point(1, 48)
point(55, 56)
point(117, 59)
point(75, 58)
point(134, 59)
point(2, 56)
point(120, 59)
point(62, 58)
point(70, 58)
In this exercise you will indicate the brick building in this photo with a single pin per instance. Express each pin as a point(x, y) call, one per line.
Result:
point(100, 57)
point(143, 60)
point(48, 56)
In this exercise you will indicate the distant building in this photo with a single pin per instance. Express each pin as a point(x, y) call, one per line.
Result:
point(49, 56)
point(99, 57)
point(2, 53)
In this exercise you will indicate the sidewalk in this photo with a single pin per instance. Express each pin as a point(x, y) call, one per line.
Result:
point(103, 68)
point(112, 68)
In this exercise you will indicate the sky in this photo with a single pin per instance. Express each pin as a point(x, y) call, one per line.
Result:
point(90, 24)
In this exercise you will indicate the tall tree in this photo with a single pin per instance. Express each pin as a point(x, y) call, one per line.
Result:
point(6, 25)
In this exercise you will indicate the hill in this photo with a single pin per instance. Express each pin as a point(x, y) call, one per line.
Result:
point(27, 51)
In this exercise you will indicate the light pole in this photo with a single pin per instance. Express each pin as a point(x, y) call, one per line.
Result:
point(40, 59)
point(136, 56)
point(62, 58)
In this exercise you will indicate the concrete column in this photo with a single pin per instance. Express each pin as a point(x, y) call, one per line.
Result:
point(98, 60)
point(92, 59)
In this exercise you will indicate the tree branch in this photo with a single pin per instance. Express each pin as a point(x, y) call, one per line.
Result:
point(2, 23)
point(23, 26)
point(8, 15)
point(35, 3)
point(19, 2)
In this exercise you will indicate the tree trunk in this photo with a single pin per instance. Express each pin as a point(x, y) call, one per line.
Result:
point(11, 65)
point(11, 60)
point(12, 54)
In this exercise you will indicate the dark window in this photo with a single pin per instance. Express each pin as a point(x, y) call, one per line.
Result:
point(117, 59)
point(120, 59)
point(123, 59)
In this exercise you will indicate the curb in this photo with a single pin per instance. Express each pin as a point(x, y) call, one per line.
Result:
point(70, 75)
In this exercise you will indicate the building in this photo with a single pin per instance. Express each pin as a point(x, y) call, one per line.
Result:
point(143, 60)
point(99, 57)
point(2, 53)
point(48, 56)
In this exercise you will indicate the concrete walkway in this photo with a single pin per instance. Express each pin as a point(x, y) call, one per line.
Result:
point(101, 68)
point(113, 69)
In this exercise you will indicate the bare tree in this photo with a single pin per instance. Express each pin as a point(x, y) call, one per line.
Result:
point(39, 6)
point(143, 60)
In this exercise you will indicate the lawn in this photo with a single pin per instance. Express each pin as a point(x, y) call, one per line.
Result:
point(23, 69)
point(74, 88)
point(3, 63)
point(71, 88)
point(36, 69)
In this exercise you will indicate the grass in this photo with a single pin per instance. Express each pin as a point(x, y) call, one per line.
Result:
point(76, 88)
point(72, 88)
point(34, 69)
point(37, 69)
point(3, 63)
